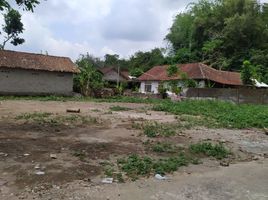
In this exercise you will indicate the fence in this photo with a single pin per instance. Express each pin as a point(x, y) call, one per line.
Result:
point(239, 95)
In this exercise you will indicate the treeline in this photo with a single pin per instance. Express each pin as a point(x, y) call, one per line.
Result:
point(223, 34)
point(220, 33)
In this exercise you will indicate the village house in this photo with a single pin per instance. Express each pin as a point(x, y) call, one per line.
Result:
point(201, 73)
point(110, 74)
point(35, 74)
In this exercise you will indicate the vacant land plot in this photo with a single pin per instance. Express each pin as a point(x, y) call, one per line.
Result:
point(47, 153)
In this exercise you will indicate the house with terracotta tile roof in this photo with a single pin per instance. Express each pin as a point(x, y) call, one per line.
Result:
point(198, 72)
point(24, 73)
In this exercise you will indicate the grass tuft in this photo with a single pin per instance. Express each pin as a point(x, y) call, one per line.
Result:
point(218, 150)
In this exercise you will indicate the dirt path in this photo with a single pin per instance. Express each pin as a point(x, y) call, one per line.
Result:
point(76, 173)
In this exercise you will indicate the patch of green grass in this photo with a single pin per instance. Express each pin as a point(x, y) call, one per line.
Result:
point(164, 147)
point(214, 150)
point(119, 108)
point(51, 119)
point(219, 113)
point(135, 165)
point(153, 129)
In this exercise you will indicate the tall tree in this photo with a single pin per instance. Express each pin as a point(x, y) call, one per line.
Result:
point(222, 33)
point(13, 26)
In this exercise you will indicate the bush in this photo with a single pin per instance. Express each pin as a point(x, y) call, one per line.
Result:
point(218, 150)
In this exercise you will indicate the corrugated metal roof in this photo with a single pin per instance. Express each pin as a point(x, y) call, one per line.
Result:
point(23, 60)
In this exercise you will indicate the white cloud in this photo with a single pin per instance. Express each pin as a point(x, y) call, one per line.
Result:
point(69, 28)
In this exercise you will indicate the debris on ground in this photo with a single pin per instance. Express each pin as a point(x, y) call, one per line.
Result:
point(160, 177)
point(73, 110)
point(53, 156)
point(225, 164)
point(40, 173)
point(107, 180)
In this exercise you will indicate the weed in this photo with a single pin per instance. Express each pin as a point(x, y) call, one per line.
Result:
point(164, 148)
point(218, 150)
point(56, 120)
point(153, 129)
point(80, 154)
point(96, 110)
point(218, 113)
point(135, 166)
point(119, 108)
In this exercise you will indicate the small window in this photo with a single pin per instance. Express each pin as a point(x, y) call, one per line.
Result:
point(148, 87)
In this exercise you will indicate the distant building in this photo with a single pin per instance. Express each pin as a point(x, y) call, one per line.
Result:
point(110, 74)
point(35, 74)
point(201, 73)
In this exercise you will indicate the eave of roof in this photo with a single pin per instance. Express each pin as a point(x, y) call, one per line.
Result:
point(24, 60)
point(196, 71)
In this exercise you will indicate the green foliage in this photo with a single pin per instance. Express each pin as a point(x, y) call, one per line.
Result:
point(146, 60)
point(89, 80)
point(12, 28)
point(111, 60)
point(13, 25)
point(164, 147)
point(136, 72)
point(218, 150)
point(162, 90)
point(172, 70)
point(224, 114)
point(56, 120)
point(119, 108)
point(154, 129)
point(247, 73)
point(135, 165)
point(222, 34)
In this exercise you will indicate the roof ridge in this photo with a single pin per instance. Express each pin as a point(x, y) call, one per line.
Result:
point(39, 54)
point(201, 70)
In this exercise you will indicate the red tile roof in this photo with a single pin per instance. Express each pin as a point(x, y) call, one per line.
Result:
point(196, 71)
point(23, 60)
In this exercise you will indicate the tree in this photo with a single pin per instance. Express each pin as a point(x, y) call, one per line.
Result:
point(12, 20)
point(247, 73)
point(89, 80)
point(221, 33)
point(12, 28)
point(111, 60)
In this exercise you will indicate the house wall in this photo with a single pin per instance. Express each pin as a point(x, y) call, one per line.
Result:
point(113, 76)
point(155, 85)
point(33, 82)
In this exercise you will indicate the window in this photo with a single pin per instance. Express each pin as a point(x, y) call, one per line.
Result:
point(148, 87)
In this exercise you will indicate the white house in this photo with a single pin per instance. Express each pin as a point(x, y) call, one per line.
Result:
point(198, 72)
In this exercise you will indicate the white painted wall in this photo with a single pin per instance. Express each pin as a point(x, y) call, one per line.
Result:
point(155, 85)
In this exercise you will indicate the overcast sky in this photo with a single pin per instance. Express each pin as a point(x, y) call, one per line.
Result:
point(74, 27)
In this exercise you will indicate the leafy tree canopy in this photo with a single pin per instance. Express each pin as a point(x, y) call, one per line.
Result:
point(222, 33)
point(13, 26)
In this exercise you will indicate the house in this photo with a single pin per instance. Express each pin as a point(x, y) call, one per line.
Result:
point(35, 74)
point(110, 74)
point(201, 73)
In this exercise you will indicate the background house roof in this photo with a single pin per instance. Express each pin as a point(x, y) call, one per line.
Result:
point(23, 60)
point(124, 73)
point(194, 71)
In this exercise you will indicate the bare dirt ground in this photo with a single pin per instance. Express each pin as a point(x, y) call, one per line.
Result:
point(76, 172)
